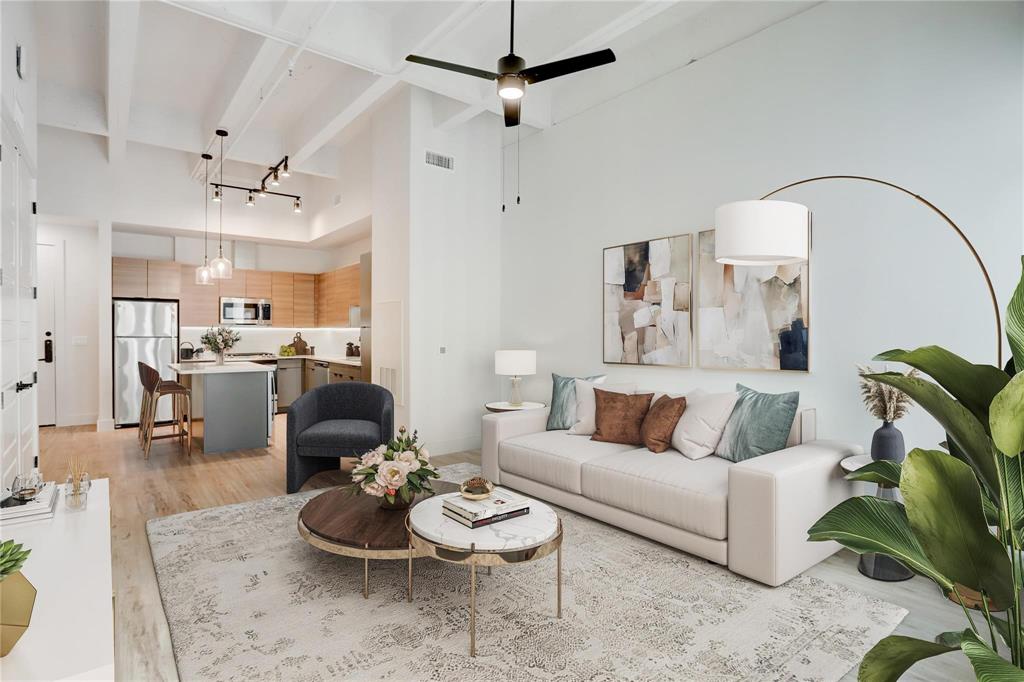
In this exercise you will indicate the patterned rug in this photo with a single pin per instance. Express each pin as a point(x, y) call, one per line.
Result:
point(247, 598)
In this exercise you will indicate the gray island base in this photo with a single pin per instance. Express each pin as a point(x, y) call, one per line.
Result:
point(233, 402)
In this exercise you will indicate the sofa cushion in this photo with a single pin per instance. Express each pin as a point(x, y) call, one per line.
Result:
point(563, 401)
point(667, 487)
point(346, 434)
point(760, 423)
point(619, 417)
point(552, 457)
point(702, 423)
point(586, 405)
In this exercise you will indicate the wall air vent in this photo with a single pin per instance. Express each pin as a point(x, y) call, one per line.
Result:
point(440, 160)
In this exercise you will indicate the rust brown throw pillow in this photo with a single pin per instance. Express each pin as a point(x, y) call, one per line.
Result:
point(661, 421)
point(620, 416)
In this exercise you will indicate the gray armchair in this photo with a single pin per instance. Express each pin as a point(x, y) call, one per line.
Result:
point(334, 421)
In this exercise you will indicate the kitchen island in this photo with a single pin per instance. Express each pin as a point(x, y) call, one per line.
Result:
point(234, 402)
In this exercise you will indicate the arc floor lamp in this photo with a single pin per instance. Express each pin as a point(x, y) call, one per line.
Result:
point(772, 232)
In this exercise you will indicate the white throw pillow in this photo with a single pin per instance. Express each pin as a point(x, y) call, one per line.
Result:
point(586, 404)
point(703, 421)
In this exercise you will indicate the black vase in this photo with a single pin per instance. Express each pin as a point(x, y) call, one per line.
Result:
point(887, 443)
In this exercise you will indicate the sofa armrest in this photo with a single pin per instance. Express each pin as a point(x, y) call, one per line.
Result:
point(502, 426)
point(774, 499)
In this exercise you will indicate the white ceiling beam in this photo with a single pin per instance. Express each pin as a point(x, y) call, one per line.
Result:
point(321, 134)
point(122, 34)
point(619, 26)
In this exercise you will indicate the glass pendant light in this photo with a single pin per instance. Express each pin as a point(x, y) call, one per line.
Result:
point(220, 266)
point(204, 275)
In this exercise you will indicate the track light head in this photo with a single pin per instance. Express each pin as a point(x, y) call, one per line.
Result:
point(250, 199)
point(285, 173)
point(216, 194)
point(263, 189)
point(297, 205)
point(274, 181)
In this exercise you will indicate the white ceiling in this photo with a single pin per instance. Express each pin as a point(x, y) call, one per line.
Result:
point(293, 76)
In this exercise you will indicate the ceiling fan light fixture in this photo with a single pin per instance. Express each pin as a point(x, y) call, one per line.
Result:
point(510, 86)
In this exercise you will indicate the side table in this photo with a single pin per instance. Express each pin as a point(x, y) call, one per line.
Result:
point(877, 566)
point(505, 406)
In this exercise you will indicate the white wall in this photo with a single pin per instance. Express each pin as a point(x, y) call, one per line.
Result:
point(75, 315)
point(455, 276)
point(928, 95)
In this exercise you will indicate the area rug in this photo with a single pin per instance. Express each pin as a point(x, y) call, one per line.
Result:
point(247, 598)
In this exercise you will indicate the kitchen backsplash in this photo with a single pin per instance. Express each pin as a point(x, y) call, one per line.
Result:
point(328, 342)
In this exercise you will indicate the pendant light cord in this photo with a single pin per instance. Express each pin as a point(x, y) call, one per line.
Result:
point(206, 211)
point(517, 165)
point(220, 239)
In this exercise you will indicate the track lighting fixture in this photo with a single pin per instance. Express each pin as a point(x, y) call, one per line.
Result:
point(297, 205)
point(263, 189)
point(250, 200)
point(284, 170)
point(273, 175)
point(216, 194)
point(274, 181)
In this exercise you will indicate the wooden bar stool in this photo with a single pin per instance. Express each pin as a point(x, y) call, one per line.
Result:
point(154, 388)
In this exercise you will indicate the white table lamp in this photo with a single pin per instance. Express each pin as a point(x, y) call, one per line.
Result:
point(515, 364)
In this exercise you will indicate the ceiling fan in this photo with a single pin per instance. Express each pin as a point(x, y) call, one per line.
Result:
point(513, 75)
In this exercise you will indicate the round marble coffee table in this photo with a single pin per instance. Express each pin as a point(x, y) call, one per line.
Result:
point(514, 541)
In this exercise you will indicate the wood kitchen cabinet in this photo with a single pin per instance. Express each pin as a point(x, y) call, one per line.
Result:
point(234, 287)
point(129, 278)
point(341, 373)
point(282, 297)
point(163, 279)
point(258, 284)
point(336, 292)
point(304, 301)
point(198, 305)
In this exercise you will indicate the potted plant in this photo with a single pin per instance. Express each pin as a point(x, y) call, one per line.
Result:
point(17, 596)
point(961, 523)
point(395, 472)
point(219, 341)
point(887, 404)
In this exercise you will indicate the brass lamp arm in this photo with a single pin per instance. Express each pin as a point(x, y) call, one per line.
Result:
point(954, 226)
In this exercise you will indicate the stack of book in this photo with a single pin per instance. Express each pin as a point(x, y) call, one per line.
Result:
point(42, 506)
point(501, 505)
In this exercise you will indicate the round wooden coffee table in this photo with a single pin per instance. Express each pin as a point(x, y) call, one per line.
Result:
point(354, 525)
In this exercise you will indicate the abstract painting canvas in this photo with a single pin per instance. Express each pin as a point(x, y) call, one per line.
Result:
point(647, 302)
point(750, 317)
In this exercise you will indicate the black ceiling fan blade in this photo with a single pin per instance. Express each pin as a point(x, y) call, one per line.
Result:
point(448, 66)
point(512, 108)
point(543, 72)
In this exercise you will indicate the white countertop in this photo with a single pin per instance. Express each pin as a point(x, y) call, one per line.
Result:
point(352, 362)
point(210, 368)
point(71, 635)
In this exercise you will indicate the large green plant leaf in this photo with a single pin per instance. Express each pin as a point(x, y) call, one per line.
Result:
point(894, 655)
point(943, 505)
point(988, 665)
point(973, 385)
point(868, 524)
point(880, 471)
point(962, 427)
point(1015, 322)
point(1007, 417)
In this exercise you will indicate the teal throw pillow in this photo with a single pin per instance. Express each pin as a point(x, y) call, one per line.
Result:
point(563, 401)
point(760, 423)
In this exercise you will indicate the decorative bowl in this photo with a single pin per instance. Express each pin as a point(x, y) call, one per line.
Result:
point(476, 488)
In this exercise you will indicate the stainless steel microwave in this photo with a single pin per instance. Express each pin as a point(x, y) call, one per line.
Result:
point(235, 311)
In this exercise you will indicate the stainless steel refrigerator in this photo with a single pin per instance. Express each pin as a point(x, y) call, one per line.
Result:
point(144, 331)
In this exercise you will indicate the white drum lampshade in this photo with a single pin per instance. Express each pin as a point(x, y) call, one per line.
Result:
point(762, 232)
point(515, 364)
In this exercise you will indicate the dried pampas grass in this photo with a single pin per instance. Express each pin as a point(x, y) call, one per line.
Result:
point(883, 401)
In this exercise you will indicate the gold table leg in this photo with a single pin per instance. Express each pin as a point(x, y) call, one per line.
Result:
point(558, 579)
point(409, 593)
point(366, 575)
point(472, 610)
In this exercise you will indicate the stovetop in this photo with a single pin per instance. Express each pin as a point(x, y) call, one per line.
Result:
point(251, 355)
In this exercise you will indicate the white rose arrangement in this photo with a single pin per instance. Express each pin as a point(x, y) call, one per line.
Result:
point(220, 339)
point(395, 472)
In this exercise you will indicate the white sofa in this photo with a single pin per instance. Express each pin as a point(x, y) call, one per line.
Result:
point(751, 516)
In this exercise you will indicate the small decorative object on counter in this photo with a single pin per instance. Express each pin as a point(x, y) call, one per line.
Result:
point(187, 353)
point(888, 404)
point(395, 472)
point(26, 486)
point(219, 341)
point(300, 346)
point(286, 351)
point(477, 488)
point(312, 350)
point(76, 489)
point(17, 596)
point(350, 350)
point(357, 351)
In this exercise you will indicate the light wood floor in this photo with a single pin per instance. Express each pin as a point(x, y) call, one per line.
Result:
point(170, 483)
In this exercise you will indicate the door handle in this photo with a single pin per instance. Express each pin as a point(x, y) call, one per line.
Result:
point(22, 386)
point(48, 350)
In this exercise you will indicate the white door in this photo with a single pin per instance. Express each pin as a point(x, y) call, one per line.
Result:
point(49, 261)
point(18, 426)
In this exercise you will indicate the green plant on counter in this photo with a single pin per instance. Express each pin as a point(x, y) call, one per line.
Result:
point(952, 499)
point(12, 558)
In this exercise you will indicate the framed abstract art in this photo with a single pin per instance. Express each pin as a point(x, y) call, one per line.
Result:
point(647, 299)
point(751, 317)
